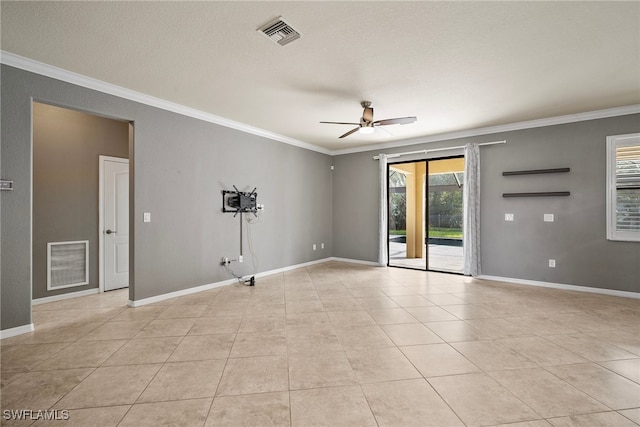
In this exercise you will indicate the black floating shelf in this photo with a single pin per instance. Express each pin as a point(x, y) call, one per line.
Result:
point(541, 194)
point(535, 172)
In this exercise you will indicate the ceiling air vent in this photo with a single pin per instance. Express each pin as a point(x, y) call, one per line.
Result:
point(280, 32)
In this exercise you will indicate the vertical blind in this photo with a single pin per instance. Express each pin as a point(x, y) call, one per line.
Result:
point(628, 188)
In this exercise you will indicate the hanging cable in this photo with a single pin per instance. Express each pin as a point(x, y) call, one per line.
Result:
point(230, 270)
point(254, 257)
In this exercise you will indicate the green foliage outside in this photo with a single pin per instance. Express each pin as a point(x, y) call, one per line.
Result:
point(445, 209)
point(451, 233)
point(398, 212)
point(398, 232)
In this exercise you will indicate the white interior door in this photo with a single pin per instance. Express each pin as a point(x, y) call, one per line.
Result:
point(116, 223)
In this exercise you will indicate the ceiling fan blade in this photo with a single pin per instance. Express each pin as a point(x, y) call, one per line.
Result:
point(396, 121)
point(341, 123)
point(350, 132)
point(367, 114)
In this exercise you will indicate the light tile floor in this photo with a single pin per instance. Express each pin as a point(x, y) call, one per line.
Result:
point(333, 345)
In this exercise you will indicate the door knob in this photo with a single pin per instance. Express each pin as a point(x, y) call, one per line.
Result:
point(110, 231)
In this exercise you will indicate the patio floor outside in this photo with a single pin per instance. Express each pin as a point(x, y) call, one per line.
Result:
point(441, 257)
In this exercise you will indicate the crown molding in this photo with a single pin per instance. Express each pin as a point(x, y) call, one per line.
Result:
point(57, 73)
point(530, 124)
point(46, 70)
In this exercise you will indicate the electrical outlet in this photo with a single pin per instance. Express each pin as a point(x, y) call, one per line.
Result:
point(225, 261)
point(146, 217)
point(321, 245)
point(509, 217)
point(314, 246)
point(240, 258)
point(552, 263)
point(548, 218)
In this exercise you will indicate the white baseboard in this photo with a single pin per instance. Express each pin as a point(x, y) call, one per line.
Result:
point(65, 296)
point(180, 293)
point(612, 292)
point(202, 288)
point(292, 267)
point(355, 261)
point(12, 332)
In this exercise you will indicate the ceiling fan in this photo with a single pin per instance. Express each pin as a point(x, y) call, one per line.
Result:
point(367, 125)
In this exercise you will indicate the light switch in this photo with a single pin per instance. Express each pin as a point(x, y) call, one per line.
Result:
point(146, 217)
point(509, 217)
point(548, 217)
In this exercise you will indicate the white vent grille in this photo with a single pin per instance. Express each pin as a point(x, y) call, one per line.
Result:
point(280, 32)
point(67, 264)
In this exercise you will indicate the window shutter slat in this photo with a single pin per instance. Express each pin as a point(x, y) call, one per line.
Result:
point(628, 188)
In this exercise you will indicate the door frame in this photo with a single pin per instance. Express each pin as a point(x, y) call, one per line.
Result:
point(102, 159)
point(425, 211)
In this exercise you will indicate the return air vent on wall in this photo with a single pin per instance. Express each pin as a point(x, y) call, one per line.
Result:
point(280, 32)
point(67, 264)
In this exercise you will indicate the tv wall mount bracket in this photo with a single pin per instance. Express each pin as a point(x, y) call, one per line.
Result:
point(239, 202)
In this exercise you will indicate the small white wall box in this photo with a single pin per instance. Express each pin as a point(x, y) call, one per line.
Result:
point(67, 264)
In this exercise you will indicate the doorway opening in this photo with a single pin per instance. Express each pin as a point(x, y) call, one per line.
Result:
point(67, 146)
point(425, 214)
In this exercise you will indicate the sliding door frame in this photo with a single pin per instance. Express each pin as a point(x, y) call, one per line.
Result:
point(425, 212)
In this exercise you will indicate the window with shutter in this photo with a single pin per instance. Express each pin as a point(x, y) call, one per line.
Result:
point(623, 187)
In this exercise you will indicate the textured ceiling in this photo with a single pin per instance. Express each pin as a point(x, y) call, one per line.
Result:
point(454, 65)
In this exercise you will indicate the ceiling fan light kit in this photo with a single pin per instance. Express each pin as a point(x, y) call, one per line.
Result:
point(367, 125)
point(367, 130)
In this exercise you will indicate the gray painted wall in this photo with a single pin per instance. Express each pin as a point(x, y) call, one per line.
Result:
point(577, 238)
point(179, 167)
point(66, 146)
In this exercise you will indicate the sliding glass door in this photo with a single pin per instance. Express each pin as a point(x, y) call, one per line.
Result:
point(444, 207)
point(425, 214)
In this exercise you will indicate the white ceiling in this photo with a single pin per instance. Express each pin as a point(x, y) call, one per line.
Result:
point(454, 65)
